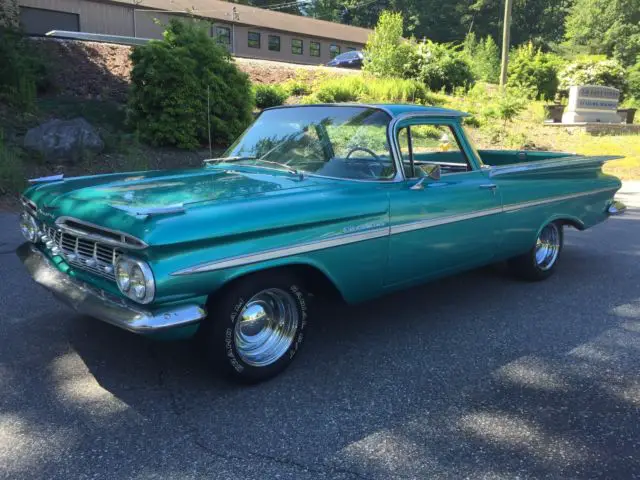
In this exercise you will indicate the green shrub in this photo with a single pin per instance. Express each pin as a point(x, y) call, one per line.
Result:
point(633, 79)
point(534, 70)
point(440, 66)
point(269, 95)
point(297, 88)
point(169, 83)
point(609, 73)
point(486, 105)
point(372, 90)
point(11, 173)
point(386, 51)
point(22, 70)
point(484, 57)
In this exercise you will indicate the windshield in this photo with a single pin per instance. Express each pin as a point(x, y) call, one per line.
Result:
point(331, 141)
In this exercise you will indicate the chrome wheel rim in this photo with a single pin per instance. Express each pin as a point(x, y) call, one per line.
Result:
point(548, 246)
point(266, 327)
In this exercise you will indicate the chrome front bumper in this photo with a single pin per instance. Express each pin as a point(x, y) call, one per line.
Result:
point(99, 304)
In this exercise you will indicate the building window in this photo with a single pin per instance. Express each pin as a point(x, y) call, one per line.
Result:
point(274, 43)
point(334, 51)
point(351, 49)
point(254, 40)
point(223, 36)
point(296, 46)
point(314, 49)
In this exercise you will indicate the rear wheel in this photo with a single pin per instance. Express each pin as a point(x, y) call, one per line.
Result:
point(256, 326)
point(539, 263)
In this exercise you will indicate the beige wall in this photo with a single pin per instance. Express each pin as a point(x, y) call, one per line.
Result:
point(242, 49)
point(95, 17)
point(117, 19)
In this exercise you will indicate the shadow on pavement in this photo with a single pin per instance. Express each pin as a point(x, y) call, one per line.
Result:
point(475, 375)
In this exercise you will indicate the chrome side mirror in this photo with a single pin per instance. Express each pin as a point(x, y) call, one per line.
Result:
point(432, 172)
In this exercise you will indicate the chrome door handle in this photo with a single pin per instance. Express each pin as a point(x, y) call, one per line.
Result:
point(490, 186)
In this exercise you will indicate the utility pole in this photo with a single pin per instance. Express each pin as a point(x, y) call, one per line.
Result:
point(506, 40)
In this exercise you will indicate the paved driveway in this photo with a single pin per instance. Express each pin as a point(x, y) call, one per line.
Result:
point(475, 376)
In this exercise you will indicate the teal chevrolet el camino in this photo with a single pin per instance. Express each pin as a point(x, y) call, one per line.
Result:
point(351, 200)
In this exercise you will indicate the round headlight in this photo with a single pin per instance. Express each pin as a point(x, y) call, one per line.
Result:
point(138, 283)
point(135, 279)
point(123, 275)
point(29, 227)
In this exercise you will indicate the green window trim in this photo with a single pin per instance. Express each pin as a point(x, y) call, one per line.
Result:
point(274, 43)
point(314, 49)
point(223, 35)
point(253, 39)
point(334, 50)
point(297, 46)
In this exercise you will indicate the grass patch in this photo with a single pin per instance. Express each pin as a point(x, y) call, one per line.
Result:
point(358, 88)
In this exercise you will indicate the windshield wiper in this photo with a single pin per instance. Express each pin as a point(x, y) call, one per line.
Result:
point(239, 159)
point(227, 159)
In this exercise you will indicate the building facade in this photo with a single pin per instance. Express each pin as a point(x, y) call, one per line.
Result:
point(246, 31)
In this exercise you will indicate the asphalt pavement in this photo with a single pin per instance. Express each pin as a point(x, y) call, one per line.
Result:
point(475, 376)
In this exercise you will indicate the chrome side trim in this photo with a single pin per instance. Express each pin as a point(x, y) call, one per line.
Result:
point(50, 178)
point(133, 243)
point(434, 222)
point(568, 161)
point(534, 203)
point(340, 240)
point(286, 251)
point(88, 300)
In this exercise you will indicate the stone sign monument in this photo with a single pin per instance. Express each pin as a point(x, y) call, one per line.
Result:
point(592, 103)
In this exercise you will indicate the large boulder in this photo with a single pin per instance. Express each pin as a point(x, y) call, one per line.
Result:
point(64, 139)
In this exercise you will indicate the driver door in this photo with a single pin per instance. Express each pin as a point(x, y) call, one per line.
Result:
point(445, 225)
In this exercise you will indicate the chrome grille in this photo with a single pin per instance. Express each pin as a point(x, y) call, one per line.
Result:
point(85, 254)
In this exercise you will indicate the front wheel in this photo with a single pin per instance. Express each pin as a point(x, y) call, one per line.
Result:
point(256, 326)
point(539, 263)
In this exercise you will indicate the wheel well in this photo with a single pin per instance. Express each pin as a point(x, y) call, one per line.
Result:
point(314, 280)
point(578, 225)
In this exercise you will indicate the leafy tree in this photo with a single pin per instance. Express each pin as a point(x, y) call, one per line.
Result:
point(611, 27)
point(484, 57)
point(538, 21)
point(169, 81)
point(534, 70)
point(634, 81)
point(441, 66)
point(386, 51)
point(608, 73)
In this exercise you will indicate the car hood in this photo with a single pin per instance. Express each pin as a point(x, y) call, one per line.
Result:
point(117, 200)
point(148, 190)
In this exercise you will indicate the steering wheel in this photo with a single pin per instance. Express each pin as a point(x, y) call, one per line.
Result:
point(378, 160)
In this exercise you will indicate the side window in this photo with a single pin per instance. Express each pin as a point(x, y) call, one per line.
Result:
point(296, 46)
point(432, 144)
point(254, 40)
point(223, 36)
point(314, 49)
point(274, 43)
